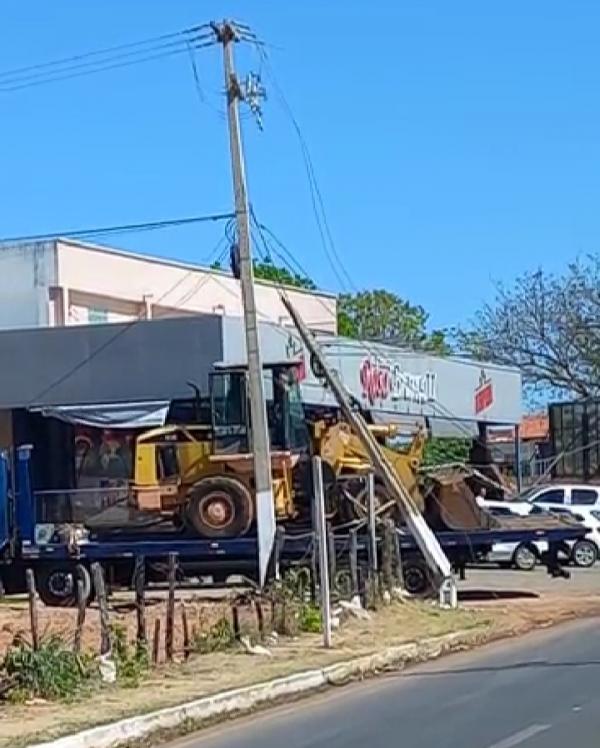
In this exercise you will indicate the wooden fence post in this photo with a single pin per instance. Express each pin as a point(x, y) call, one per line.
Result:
point(33, 609)
point(171, 607)
point(105, 638)
point(81, 608)
point(354, 562)
point(398, 554)
point(139, 575)
point(186, 631)
point(260, 619)
point(331, 554)
point(388, 554)
point(156, 641)
point(235, 619)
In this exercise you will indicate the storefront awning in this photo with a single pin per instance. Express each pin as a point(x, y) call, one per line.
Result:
point(111, 415)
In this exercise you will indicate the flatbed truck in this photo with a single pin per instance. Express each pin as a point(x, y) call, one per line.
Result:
point(58, 559)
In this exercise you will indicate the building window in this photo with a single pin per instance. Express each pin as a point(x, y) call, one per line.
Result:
point(96, 316)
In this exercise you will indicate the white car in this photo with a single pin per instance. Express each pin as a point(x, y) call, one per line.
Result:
point(563, 494)
point(524, 556)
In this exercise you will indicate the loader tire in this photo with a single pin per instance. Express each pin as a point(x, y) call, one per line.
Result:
point(220, 507)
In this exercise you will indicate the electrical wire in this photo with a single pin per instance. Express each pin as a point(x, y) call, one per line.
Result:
point(100, 69)
point(96, 63)
point(318, 204)
point(16, 72)
point(118, 229)
point(119, 333)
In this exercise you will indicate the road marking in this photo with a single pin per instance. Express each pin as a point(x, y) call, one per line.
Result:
point(520, 737)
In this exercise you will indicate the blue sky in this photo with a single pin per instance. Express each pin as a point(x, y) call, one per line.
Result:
point(455, 143)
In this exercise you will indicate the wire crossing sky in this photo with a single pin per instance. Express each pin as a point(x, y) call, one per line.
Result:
point(452, 145)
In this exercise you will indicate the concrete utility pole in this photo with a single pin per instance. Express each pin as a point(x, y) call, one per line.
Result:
point(265, 509)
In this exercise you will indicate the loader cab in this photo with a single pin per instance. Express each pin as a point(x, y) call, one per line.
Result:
point(230, 409)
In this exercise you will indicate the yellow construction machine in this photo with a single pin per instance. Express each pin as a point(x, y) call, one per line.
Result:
point(201, 474)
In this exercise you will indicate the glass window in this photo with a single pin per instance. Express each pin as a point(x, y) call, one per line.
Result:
point(596, 514)
point(97, 316)
point(586, 496)
point(552, 496)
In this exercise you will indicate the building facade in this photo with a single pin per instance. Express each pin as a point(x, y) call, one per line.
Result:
point(62, 282)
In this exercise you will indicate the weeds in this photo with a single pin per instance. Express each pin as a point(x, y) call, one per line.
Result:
point(52, 672)
point(219, 636)
point(131, 662)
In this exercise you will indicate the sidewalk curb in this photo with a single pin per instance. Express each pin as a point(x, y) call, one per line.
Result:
point(242, 700)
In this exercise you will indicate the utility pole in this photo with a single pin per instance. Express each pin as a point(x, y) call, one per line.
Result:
point(265, 509)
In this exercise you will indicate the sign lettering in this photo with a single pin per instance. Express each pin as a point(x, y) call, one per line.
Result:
point(382, 381)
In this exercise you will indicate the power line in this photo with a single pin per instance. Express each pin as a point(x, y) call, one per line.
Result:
point(17, 72)
point(100, 69)
point(119, 229)
point(315, 192)
point(63, 378)
point(43, 74)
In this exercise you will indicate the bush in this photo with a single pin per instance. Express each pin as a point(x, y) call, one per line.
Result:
point(219, 636)
point(52, 672)
point(131, 662)
point(310, 618)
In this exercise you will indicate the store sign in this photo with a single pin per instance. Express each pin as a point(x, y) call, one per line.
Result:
point(382, 381)
point(484, 393)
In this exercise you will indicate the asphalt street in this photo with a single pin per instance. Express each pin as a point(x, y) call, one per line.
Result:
point(542, 691)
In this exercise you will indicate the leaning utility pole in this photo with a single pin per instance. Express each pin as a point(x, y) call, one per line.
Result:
point(265, 508)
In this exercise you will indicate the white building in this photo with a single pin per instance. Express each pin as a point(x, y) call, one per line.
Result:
point(64, 282)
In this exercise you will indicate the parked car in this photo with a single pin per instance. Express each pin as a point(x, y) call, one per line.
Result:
point(563, 494)
point(583, 552)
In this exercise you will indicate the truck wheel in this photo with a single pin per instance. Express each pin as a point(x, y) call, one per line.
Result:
point(524, 558)
point(220, 507)
point(416, 578)
point(584, 553)
point(57, 585)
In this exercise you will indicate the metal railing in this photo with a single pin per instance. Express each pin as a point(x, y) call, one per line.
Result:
point(79, 505)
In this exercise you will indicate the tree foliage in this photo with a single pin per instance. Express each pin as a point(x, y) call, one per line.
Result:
point(548, 325)
point(445, 451)
point(267, 270)
point(382, 315)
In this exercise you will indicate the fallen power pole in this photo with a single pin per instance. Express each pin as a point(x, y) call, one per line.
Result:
point(424, 537)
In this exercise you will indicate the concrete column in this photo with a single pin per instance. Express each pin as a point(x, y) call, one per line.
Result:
point(147, 306)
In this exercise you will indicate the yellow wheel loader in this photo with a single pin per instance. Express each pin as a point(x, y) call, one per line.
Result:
point(201, 473)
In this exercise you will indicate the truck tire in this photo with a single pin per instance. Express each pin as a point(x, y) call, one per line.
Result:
point(57, 584)
point(584, 553)
point(417, 580)
point(220, 507)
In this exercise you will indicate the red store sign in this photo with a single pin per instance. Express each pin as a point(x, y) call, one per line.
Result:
point(484, 394)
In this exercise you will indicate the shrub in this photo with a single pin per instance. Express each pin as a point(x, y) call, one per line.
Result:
point(131, 662)
point(53, 671)
point(219, 636)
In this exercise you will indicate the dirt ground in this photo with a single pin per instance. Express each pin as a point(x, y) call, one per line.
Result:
point(524, 602)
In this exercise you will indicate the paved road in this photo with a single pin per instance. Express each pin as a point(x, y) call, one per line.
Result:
point(541, 692)
point(538, 581)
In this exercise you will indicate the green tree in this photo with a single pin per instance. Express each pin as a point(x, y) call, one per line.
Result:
point(445, 451)
point(546, 324)
point(267, 270)
point(384, 316)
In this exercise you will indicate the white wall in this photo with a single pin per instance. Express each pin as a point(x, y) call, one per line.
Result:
point(26, 273)
point(112, 277)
